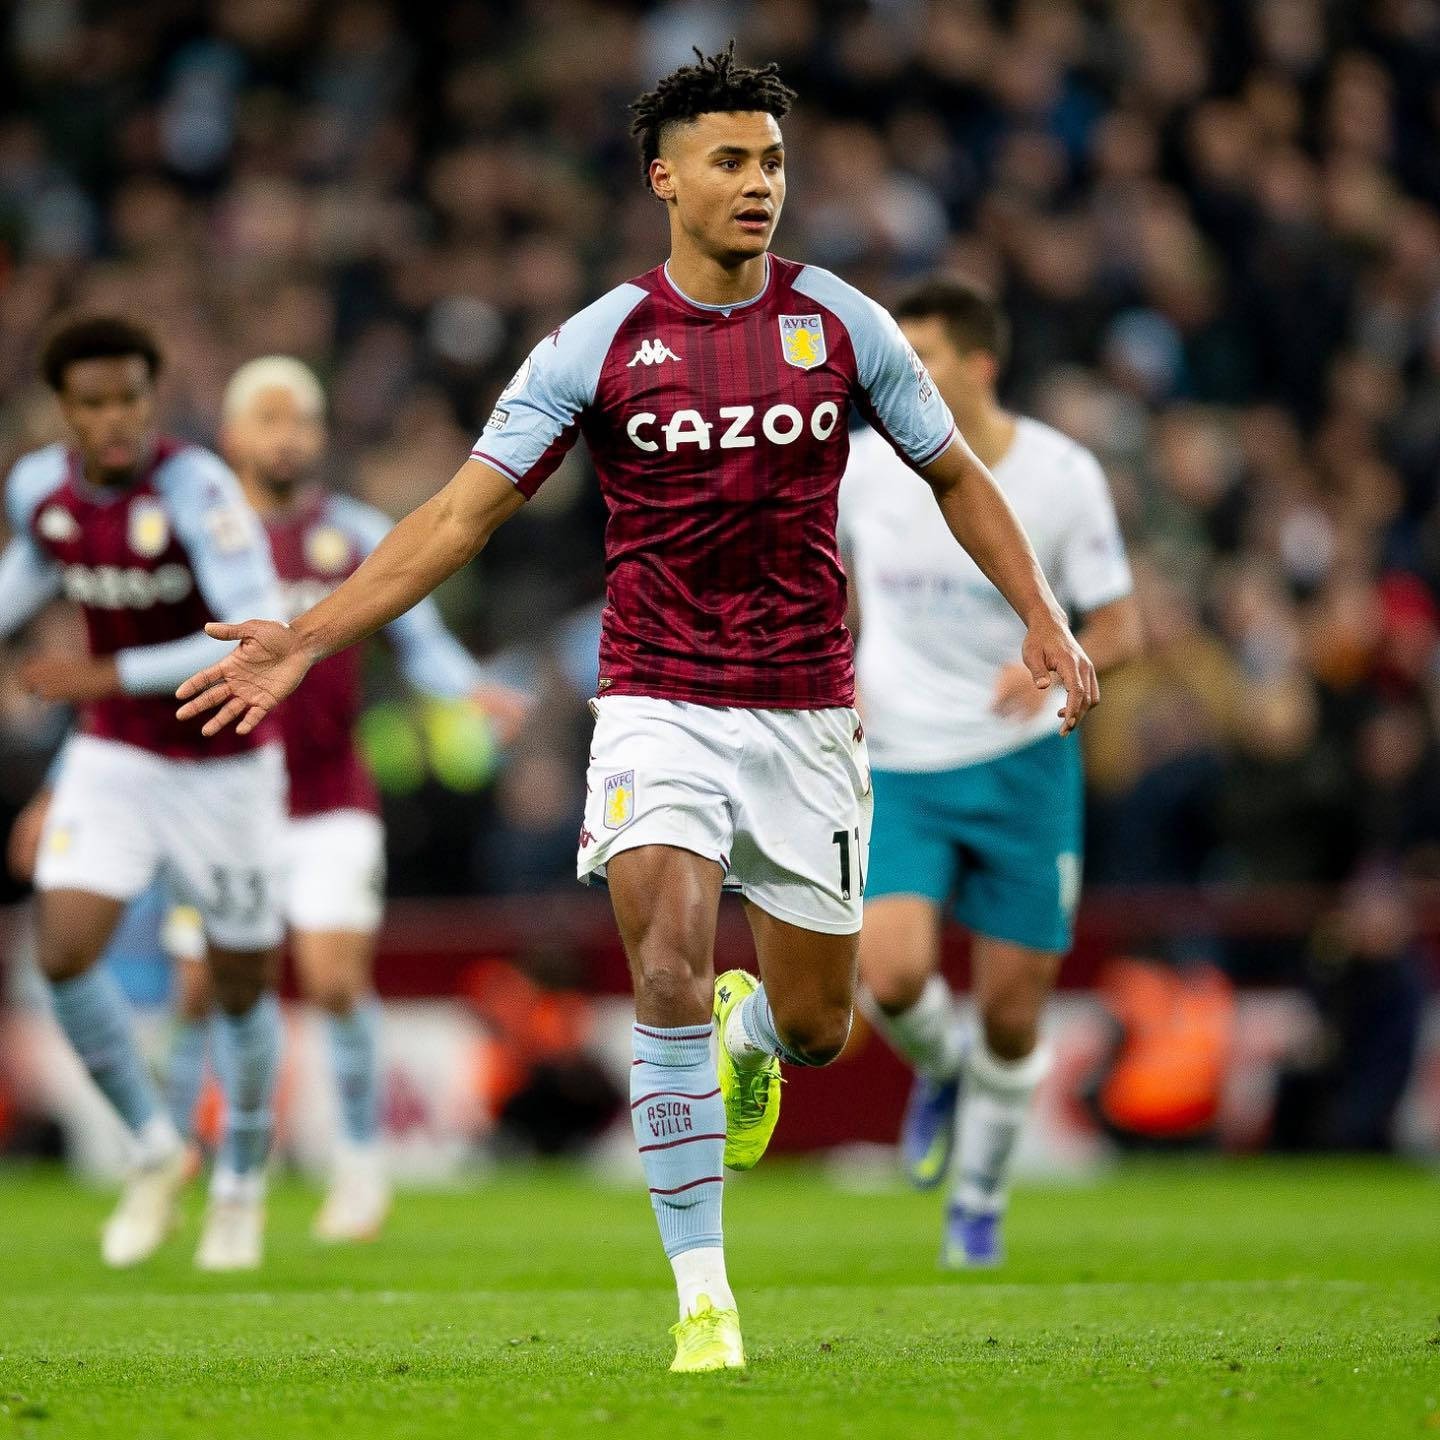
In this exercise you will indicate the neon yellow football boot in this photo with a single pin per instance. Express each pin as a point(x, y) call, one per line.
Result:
point(751, 1095)
point(707, 1339)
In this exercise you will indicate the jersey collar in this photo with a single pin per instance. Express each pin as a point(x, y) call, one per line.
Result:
point(700, 305)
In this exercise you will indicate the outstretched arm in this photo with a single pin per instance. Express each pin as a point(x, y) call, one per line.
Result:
point(981, 519)
point(427, 546)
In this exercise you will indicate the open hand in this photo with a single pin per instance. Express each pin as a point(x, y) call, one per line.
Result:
point(267, 664)
point(1052, 653)
point(70, 679)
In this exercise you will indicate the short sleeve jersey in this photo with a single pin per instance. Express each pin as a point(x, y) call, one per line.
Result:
point(137, 562)
point(719, 436)
point(934, 632)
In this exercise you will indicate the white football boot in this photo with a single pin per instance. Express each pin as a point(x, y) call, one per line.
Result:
point(358, 1199)
point(147, 1213)
point(234, 1233)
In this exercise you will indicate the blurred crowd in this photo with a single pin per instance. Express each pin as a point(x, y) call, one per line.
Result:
point(1215, 224)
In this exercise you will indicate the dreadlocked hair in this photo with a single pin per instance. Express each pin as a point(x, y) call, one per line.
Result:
point(717, 82)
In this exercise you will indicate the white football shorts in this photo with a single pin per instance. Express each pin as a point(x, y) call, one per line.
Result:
point(780, 798)
point(335, 871)
point(120, 816)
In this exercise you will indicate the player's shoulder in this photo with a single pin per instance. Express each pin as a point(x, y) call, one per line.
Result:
point(592, 330)
point(854, 308)
point(1059, 454)
point(361, 522)
point(190, 478)
point(32, 479)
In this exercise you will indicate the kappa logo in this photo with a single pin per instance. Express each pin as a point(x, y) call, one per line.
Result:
point(652, 352)
point(57, 525)
point(619, 800)
point(802, 341)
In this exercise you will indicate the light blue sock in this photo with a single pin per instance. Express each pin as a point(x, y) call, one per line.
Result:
point(185, 1072)
point(757, 1024)
point(247, 1060)
point(679, 1121)
point(95, 1016)
point(355, 1053)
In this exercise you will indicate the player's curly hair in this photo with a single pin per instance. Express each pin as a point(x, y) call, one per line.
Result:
point(718, 82)
point(95, 337)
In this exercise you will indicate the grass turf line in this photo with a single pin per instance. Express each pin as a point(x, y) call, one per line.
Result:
point(1241, 1300)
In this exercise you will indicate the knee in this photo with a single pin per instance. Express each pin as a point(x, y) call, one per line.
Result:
point(817, 1038)
point(337, 995)
point(667, 987)
point(238, 986)
point(1012, 1027)
point(59, 963)
point(896, 989)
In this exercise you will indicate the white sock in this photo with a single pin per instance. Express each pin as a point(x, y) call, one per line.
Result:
point(928, 1035)
point(702, 1272)
point(228, 1187)
point(156, 1141)
point(994, 1101)
point(745, 1049)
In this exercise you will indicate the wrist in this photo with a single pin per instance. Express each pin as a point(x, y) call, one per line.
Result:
point(309, 638)
point(106, 677)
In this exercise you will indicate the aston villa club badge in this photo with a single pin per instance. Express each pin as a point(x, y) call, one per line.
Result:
point(326, 549)
point(619, 800)
point(149, 528)
point(802, 341)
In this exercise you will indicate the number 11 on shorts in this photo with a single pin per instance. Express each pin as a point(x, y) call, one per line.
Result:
point(842, 839)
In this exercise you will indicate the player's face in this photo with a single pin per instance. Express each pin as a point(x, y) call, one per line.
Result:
point(275, 439)
point(724, 176)
point(965, 377)
point(110, 405)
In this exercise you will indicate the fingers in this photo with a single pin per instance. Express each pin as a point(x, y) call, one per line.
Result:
point(253, 716)
point(207, 700)
point(1082, 688)
point(221, 630)
point(231, 710)
point(201, 680)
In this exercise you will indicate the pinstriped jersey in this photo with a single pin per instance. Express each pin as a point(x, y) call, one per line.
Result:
point(146, 565)
point(719, 436)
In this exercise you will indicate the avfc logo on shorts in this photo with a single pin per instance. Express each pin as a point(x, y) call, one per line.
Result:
point(802, 341)
point(149, 528)
point(619, 800)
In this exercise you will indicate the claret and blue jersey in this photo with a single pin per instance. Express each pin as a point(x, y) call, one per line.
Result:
point(719, 436)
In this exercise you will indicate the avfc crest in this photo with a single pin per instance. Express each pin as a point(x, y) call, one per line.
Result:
point(619, 800)
point(149, 533)
point(802, 341)
point(326, 549)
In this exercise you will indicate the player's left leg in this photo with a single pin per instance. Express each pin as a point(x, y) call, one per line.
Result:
point(334, 968)
point(222, 823)
point(248, 1037)
point(1004, 1063)
point(1017, 899)
point(801, 851)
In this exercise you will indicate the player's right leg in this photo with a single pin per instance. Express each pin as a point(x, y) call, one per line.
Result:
point(665, 903)
point(334, 902)
point(912, 1006)
point(97, 852)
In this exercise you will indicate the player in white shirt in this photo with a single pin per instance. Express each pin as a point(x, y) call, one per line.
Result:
point(978, 797)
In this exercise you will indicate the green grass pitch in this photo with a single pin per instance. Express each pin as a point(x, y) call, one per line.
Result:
point(1236, 1300)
